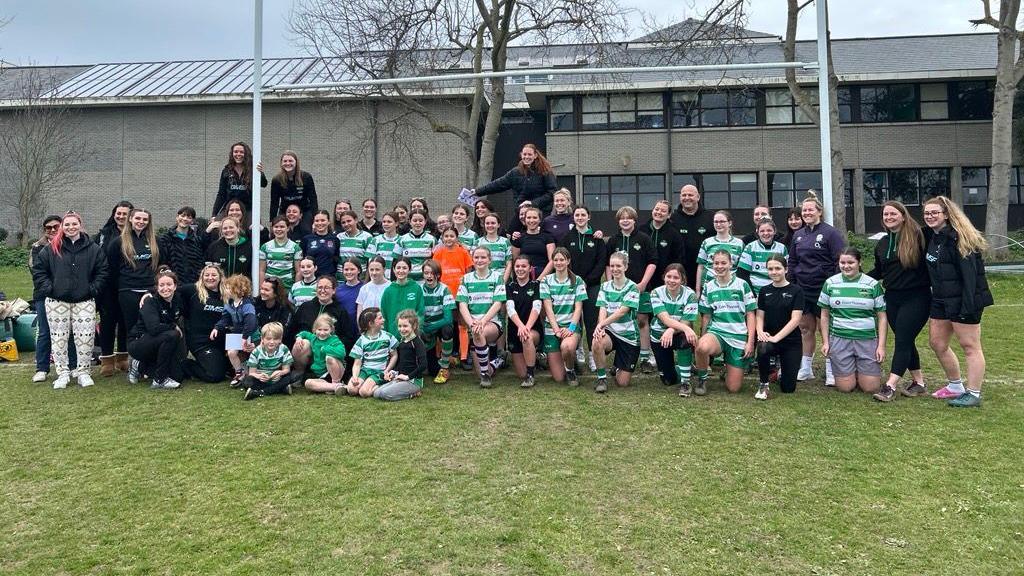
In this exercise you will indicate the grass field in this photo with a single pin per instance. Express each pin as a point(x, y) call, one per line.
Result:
point(120, 479)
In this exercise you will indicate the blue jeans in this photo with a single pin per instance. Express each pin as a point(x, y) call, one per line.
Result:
point(43, 341)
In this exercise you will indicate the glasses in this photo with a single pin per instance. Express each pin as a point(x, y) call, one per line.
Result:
point(51, 227)
point(933, 212)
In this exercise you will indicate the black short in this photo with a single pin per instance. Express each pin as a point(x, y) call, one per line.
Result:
point(811, 307)
point(515, 346)
point(941, 309)
point(626, 354)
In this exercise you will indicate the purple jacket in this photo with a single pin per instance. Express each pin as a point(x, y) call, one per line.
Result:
point(558, 225)
point(814, 255)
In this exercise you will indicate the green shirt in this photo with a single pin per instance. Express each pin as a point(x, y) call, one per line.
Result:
point(281, 259)
point(417, 249)
point(384, 247)
point(321, 349)
point(611, 298)
point(500, 249)
point(374, 352)
point(853, 306)
point(468, 238)
point(302, 292)
point(563, 296)
point(734, 246)
point(398, 297)
point(479, 293)
point(436, 301)
point(754, 259)
point(353, 246)
point(683, 307)
point(728, 306)
point(268, 362)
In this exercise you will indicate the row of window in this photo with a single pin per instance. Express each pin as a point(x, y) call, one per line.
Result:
point(769, 106)
point(738, 190)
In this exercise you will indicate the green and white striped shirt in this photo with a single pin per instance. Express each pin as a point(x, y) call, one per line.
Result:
point(682, 307)
point(384, 247)
point(302, 292)
point(728, 306)
point(435, 300)
point(468, 238)
point(479, 293)
point(374, 351)
point(349, 246)
point(417, 249)
point(734, 246)
point(611, 298)
point(563, 296)
point(281, 259)
point(266, 362)
point(754, 259)
point(500, 249)
point(853, 305)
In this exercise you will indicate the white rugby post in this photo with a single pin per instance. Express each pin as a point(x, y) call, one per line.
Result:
point(824, 113)
point(257, 136)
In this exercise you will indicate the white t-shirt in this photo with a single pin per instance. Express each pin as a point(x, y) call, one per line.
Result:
point(370, 293)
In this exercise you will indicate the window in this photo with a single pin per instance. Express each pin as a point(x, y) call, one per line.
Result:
point(887, 103)
point(722, 191)
point(844, 95)
point(650, 111)
point(725, 108)
point(934, 101)
point(975, 185)
point(623, 111)
point(973, 100)
point(909, 186)
point(785, 189)
point(1016, 188)
point(563, 114)
point(609, 193)
point(595, 113)
point(781, 108)
point(848, 187)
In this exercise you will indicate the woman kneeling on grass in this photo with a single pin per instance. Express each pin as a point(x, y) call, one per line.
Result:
point(780, 308)
point(327, 355)
point(727, 305)
point(372, 355)
point(616, 327)
point(270, 365)
point(480, 299)
point(524, 309)
point(405, 380)
point(156, 344)
point(674, 307)
point(562, 294)
point(853, 325)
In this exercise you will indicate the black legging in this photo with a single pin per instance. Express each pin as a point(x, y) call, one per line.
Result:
point(112, 324)
point(789, 354)
point(277, 387)
point(208, 362)
point(907, 313)
point(129, 304)
point(160, 355)
point(590, 312)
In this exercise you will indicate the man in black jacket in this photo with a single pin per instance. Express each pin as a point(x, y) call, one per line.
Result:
point(694, 224)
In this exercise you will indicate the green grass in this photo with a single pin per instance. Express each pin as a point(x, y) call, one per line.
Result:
point(121, 479)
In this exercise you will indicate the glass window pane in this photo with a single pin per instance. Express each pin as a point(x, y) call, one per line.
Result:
point(714, 100)
point(904, 111)
point(934, 110)
point(596, 201)
point(933, 92)
point(781, 198)
point(803, 118)
point(745, 181)
point(595, 121)
point(742, 116)
point(974, 176)
point(680, 180)
point(807, 180)
point(651, 184)
point(684, 109)
point(623, 184)
point(901, 93)
point(716, 182)
point(874, 188)
point(595, 184)
point(903, 186)
point(595, 103)
point(976, 195)
point(623, 119)
point(745, 98)
point(650, 120)
point(620, 200)
point(780, 180)
point(778, 115)
point(647, 201)
point(974, 101)
point(777, 97)
point(562, 122)
point(714, 117)
point(649, 101)
point(716, 200)
point(744, 199)
point(561, 104)
point(623, 102)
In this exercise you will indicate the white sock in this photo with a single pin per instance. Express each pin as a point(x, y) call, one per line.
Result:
point(975, 393)
point(956, 386)
point(828, 368)
point(805, 362)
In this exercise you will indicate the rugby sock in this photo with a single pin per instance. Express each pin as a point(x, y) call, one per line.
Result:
point(601, 374)
point(805, 362)
point(481, 358)
point(529, 371)
point(956, 385)
point(447, 347)
point(570, 374)
point(828, 368)
point(683, 360)
point(975, 393)
point(493, 351)
point(702, 373)
point(645, 353)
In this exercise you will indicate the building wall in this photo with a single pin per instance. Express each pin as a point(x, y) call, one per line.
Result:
point(164, 157)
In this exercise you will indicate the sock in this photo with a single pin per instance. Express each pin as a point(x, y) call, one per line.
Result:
point(702, 373)
point(956, 385)
point(570, 372)
point(805, 362)
point(481, 358)
point(828, 368)
point(530, 371)
point(447, 347)
point(975, 393)
point(601, 374)
point(493, 351)
point(645, 353)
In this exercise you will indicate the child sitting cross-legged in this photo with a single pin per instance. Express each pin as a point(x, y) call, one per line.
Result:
point(327, 356)
point(270, 365)
point(372, 355)
point(405, 380)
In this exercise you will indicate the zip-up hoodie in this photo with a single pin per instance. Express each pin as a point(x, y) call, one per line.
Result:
point(231, 187)
point(78, 274)
point(891, 273)
point(814, 256)
point(232, 259)
point(588, 255)
point(137, 275)
point(238, 318)
point(185, 255)
point(669, 247)
point(301, 191)
point(694, 228)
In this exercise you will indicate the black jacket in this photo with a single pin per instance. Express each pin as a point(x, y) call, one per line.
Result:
point(305, 315)
point(156, 316)
point(891, 273)
point(302, 193)
point(958, 283)
point(231, 187)
point(694, 229)
point(280, 313)
point(588, 256)
point(138, 275)
point(669, 247)
point(76, 275)
point(107, 233)
point(185, 256)
point(200, 317)
point(531, 186)
point(232, 260)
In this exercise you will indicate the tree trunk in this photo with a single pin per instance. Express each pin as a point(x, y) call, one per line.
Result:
point(1002, 134)
point(492, 124)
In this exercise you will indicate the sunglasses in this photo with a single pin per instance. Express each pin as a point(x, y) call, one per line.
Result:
point(51, 227)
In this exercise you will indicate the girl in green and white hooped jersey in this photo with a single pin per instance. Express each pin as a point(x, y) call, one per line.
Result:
point(674, 310)
point(754, 259)
point(853, 325)
point(304, 288)
point(417, 245)
point(383, 245)
point(279, 256)
point(352, 242)
point(616, 329)
point(480, 299)
point(722, 240)
point(727, 305)
point(372, 354)
point(500, 247)
point(562, 294)
point(460, 218)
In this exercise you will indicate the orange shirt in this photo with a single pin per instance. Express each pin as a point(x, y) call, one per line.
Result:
point(454, 262)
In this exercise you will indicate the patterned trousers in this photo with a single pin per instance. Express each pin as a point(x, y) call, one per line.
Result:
point(66, 318)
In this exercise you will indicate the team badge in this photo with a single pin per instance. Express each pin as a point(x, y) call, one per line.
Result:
point(636, 246)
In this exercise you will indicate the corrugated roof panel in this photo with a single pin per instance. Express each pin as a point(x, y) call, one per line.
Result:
point(204, 76)
point(185, 81)
point(156, 81)
point(119, 78)
point(230, 81)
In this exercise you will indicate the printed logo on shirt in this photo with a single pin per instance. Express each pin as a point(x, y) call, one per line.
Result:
point(636, 246)
point(410, 296)
point(529, 292)
point(590, 244)
point(701, 230)
point(663, 243)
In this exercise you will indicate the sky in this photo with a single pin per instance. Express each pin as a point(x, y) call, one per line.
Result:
point(52, 32)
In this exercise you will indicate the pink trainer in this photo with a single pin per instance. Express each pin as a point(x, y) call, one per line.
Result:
point(946, 393)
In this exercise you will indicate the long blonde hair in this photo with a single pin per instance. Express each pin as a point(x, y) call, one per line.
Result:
point(970, 239)
point(128, 245)
point(201, 292)
point(911, 240)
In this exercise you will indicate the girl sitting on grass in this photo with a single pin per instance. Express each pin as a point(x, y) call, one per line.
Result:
point(270, 365)
point(327, 356)
point(239, 317)
point(405, 379)
point(372, 355)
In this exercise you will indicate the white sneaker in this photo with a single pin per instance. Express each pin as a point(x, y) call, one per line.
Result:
point(590, 362)
point(62, 381)
point(762, 392)
point(156, 385)
point(805, 374)
point(830, 380)
point(39, 376)
point(85, 380)
point(171, 383)
point(133, 371)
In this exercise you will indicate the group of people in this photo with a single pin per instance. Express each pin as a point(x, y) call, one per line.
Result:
point(350, 304)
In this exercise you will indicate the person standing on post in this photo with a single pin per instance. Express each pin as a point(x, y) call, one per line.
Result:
point(236, 179)
point(694, 224)
point(292, 185)
point(531, 180)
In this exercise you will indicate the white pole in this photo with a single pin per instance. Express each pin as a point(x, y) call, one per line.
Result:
point(824, 115)
point(257, 136)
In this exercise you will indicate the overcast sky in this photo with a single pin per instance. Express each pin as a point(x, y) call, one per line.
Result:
point(49, 32)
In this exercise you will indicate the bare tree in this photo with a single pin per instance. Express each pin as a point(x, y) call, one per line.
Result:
point(1009, 73)
point(375, 39)
point(40, 151)
point(803, 99)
